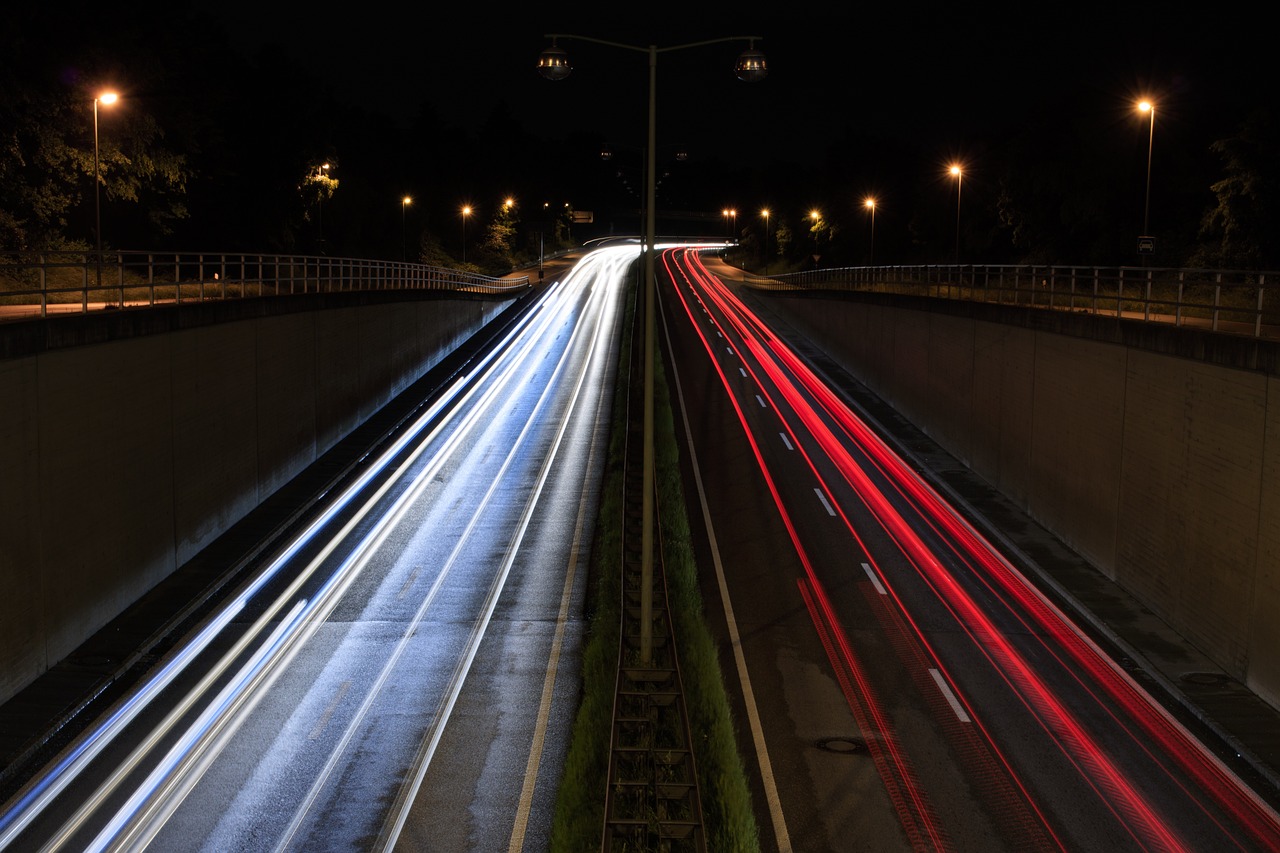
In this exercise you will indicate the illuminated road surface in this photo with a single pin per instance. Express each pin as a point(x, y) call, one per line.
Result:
point(903, 686)
point(406, 673)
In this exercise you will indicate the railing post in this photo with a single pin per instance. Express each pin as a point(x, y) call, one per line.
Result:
point(1177, 317)
point(1257, 318)
point(1146, 303)
point(1217, 298)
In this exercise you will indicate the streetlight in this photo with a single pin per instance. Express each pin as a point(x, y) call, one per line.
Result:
point(816, 218)
point(553, 64)
point(870, 204)
point(466, 211)
point(730, 223)
point(765, 214)
point(404, 251)
point(958, 174)
point(322, 181)
point(106, 99)
point(1148, 107)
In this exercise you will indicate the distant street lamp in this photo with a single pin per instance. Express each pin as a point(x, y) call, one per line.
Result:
point(1148, 107)
point(404, 250)
point(730, 223)
point(765, 214)
point(320, 179)
point(106, 99)
point(958, 174)
point(466, 211)
point(553, 64)
point(870, 204)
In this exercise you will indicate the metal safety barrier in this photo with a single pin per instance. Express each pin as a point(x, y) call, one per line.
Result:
point(1231, 301)
point(38, 285)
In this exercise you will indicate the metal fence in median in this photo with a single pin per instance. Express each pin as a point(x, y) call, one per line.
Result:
point(55, 283)
point(1233, 301)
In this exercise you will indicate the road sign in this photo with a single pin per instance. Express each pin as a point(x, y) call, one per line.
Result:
point(1146, 245)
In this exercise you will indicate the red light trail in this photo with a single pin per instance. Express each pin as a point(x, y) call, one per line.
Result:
point(822, 420)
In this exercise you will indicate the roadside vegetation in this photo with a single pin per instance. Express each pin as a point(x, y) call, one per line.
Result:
point(728, 819)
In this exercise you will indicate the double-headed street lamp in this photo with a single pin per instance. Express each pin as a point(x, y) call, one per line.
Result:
point(106, 99)
point(730, 223)
point(553, 63)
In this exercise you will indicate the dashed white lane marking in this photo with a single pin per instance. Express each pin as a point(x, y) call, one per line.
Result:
point(874, 580)
point(951, 697)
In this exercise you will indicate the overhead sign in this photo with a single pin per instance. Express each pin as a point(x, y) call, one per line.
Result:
point(582, 216)
point(1146, 245)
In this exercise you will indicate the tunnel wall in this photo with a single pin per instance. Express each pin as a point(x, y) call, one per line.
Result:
point(130, 442)
point(1153, 451)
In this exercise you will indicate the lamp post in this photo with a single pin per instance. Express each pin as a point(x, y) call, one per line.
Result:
point(106, 99)
point(1150, 108)
point(870, 204)
point(765, 214)
point(466, 211)
point(958, 174)
point(553, 63)
point(815, 216)
point(320, 179)
point(404, 250)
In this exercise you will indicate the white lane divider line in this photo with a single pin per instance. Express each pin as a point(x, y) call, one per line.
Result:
point(875, 581)
point(825, 502)
point(950, 697)
point(786, 440)
point(319, 727)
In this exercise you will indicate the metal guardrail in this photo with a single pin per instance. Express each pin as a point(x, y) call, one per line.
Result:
point(1231, 301)
point(64, 282)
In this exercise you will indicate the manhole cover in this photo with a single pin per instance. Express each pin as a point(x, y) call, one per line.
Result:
point(1205, 678)
point(843, 745)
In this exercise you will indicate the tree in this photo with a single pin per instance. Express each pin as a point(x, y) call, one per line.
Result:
point(47, 148)
point(498, 245)
point(1239, 230)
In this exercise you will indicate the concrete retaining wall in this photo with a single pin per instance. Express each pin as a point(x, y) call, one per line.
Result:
point(1153, 452)
point(127, 444)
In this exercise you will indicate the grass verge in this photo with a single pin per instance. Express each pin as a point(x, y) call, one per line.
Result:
point(728, 818)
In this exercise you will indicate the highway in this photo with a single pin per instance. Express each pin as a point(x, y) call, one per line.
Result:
point(900, 683)
point(403, 673)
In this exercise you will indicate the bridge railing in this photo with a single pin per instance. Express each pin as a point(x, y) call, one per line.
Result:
point(77, 282)
point(1234, 301)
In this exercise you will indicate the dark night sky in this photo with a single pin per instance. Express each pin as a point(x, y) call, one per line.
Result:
point(937, 78)
point(850, 88)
